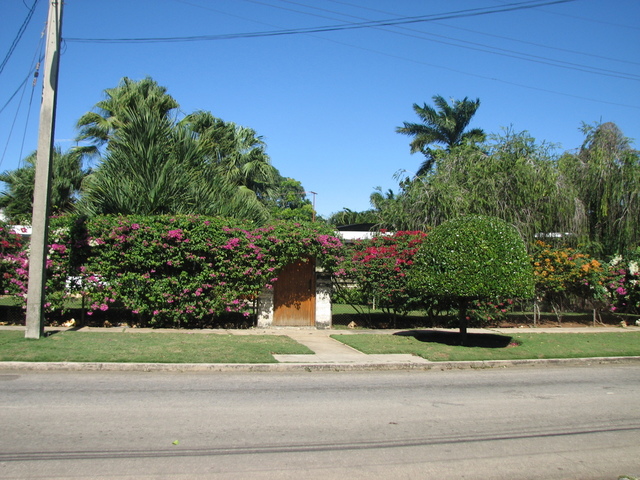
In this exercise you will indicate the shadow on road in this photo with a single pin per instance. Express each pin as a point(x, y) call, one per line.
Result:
point(484, 340)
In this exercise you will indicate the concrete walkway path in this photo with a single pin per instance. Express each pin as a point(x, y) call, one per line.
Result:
point(328, 350)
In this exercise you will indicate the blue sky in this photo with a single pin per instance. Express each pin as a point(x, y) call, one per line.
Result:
point(328, 103)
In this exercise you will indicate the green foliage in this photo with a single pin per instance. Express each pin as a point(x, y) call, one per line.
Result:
point(154, 166)
point(444, 125)
point(185, 270)
point(379, 267)
point(605, 176)
point(99, 125)
point(287, 200)
point(67, 175)
point(512, 178)
point(350, 217)
point(474, 257)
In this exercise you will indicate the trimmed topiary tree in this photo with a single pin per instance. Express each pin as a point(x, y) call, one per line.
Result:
point(473, 258)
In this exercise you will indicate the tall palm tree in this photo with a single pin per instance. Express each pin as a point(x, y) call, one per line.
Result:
point(100, 125)
point(444, 125)
point(238, 151)
point(154, 166)
point(67, 178)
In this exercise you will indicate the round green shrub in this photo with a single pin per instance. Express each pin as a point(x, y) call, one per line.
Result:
point(473, 257)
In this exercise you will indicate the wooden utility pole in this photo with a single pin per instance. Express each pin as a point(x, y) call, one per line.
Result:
point(42, 190)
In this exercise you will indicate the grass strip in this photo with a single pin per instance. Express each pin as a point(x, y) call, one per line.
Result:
point(438, 346)
point(146, 347)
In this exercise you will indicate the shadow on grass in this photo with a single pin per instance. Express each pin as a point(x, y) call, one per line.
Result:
point(483, 340)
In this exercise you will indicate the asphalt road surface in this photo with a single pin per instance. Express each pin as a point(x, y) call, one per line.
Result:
point(517, 423)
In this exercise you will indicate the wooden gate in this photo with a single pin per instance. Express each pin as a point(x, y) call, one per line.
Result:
point(294, 295)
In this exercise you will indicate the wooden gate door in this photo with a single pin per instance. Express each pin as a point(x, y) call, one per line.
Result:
point(294, 295)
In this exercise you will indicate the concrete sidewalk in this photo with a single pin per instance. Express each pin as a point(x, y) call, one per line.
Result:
point(329, 354)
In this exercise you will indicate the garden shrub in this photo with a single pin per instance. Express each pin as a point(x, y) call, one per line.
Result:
point(473, 258)
point(622, 283)
point(378, 266)
point(563, 274)
point(176, 271)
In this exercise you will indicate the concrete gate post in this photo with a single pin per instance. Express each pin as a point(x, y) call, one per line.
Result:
point(265, 309)
point(323, 301)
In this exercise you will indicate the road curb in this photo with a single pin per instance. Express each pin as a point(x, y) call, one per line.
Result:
point(308, 367)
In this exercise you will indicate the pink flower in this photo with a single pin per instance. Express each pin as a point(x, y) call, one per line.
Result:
point(176, 234)
point(58, 247)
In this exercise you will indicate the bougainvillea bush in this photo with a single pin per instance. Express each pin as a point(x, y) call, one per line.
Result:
point(13, 263)
point(622, 283)
point(378, 266)
point(177, 271)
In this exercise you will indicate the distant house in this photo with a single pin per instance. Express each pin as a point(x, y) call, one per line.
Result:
point(359, 231)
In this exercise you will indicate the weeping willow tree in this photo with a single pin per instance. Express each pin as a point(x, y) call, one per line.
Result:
point(512, 178)
point(605, 173)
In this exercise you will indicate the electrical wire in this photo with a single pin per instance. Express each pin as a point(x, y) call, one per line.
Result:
point(502, 37)
point(33, 72)
point(469, 45)
point(329, 28)
point(18, 36)
point(411, 60)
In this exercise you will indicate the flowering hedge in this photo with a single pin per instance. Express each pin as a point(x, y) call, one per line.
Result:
point(176, 271)
point(563, 272)
point(379, 267)
point(186, 271)
point(13, 263)
point(622, 284)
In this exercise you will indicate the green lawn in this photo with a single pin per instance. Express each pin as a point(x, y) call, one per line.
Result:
point(442, 346)
point(146, 347)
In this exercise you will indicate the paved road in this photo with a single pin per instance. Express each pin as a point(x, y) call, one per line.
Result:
point(534, 423)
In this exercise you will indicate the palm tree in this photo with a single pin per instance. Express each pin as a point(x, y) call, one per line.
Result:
point(67, 178)
point(154, 166)
point(238, 151)
point(99, 126)
point(443, 125)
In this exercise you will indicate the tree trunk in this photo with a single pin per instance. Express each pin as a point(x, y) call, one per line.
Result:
point(462, 320)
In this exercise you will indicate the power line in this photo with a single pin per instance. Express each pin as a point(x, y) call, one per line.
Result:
point(412, 60)
point(18, 36)
point(503, 37)
point(330, 28)
point(474, 45)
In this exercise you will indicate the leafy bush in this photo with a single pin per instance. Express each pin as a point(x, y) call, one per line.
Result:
point(473, 258)
point(379, 266)
point(562, 273)
point(176, 270)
